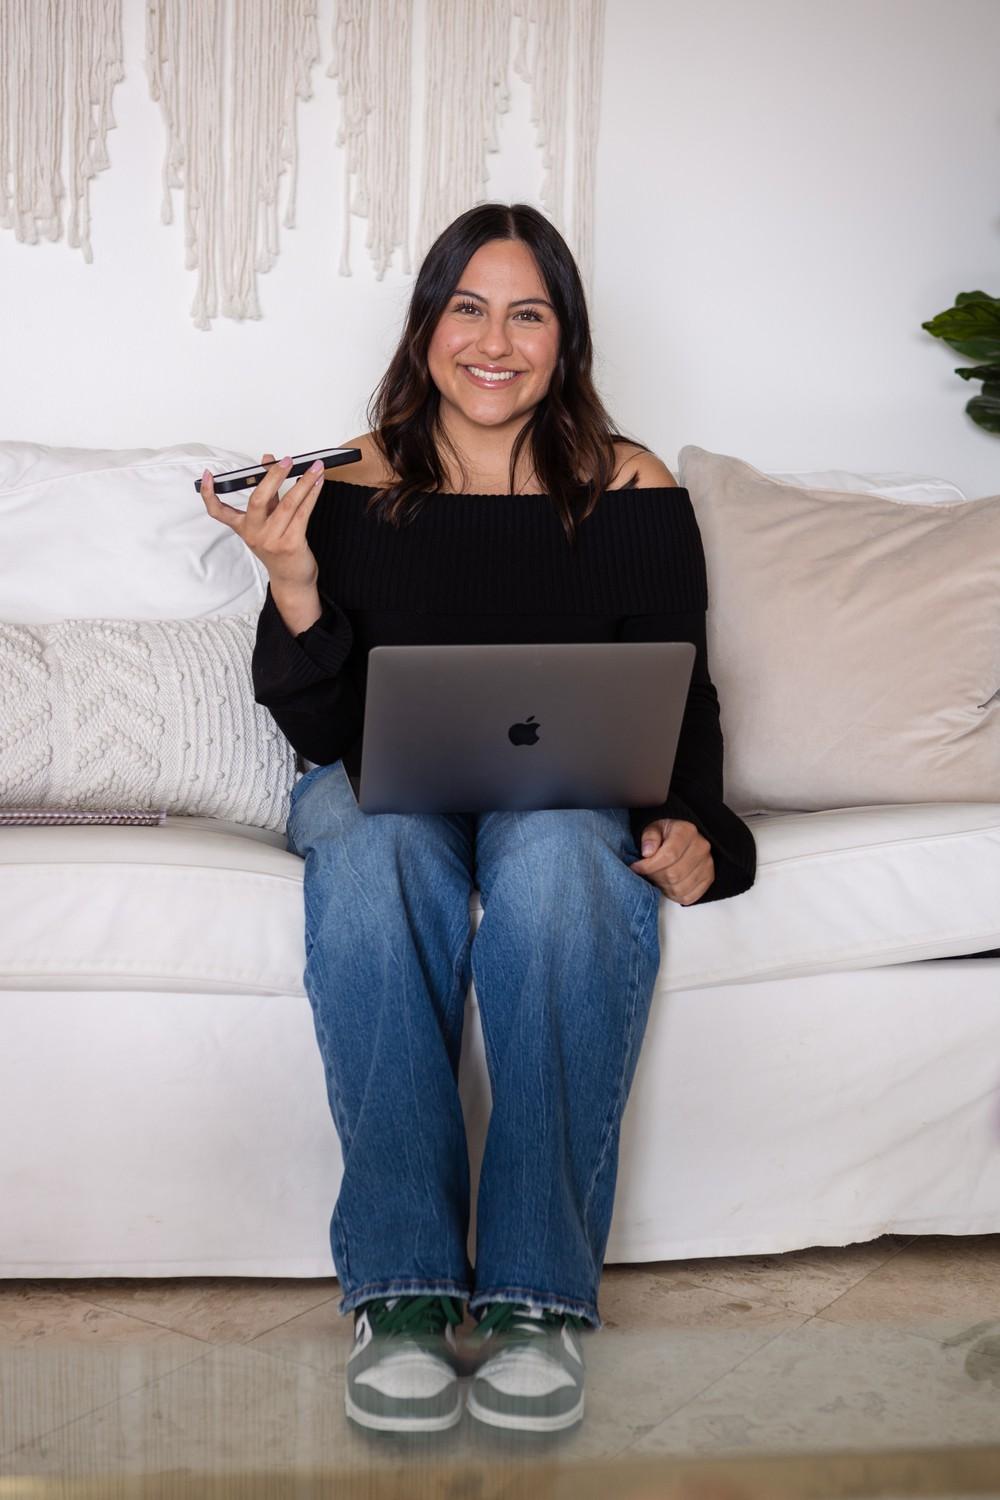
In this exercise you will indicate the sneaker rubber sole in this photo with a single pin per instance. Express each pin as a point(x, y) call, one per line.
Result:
point(404, 1383)
point(437, 1421)
point(524, 1421)
point(533, 1379)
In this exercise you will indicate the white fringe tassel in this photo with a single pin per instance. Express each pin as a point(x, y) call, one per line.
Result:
point(466, 91)
point(371, 57)
point(259, 53)
point(546, 69)
point(465, 82)
point(56, 58)
point(588, 56)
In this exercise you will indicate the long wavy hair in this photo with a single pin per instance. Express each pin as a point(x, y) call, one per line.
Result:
point(570, 432)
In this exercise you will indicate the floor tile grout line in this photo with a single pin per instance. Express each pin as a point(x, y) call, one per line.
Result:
point(752, 1354)
point(861, 1280)
point(169, 1328)
point(722, 1376)
point(710, 1284)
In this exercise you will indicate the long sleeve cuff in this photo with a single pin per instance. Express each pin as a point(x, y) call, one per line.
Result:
point(734, 850)
point(283, 664)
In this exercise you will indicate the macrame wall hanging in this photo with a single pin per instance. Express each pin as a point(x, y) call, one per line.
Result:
point(227, 74)
point(58, 65)
point(559, 44)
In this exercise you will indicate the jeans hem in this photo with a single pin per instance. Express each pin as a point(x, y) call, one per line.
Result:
point(546, 1301)
point(405, 1286)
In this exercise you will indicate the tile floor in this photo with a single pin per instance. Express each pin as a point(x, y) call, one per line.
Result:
point(890, 1348)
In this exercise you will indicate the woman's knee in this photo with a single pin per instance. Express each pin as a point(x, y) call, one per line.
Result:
point(554, 850)
point(325, 819)
point(563, 833)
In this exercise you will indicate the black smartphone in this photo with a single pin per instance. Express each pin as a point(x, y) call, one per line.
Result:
point(248, 479)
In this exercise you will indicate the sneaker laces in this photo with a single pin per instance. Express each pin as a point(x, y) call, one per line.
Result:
point(519, 1324)
point(413, 1316)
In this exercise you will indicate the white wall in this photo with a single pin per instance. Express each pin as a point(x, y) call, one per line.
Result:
point(786, 189)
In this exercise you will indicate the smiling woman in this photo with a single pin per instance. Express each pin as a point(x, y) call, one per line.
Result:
point(517, 514)
point(490, 390)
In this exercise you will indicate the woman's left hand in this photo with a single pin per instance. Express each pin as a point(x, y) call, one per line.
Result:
point(677, 858)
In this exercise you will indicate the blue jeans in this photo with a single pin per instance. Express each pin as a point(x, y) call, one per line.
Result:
point(564, 961)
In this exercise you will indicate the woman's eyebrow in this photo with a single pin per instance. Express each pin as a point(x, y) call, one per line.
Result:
point(460, 291)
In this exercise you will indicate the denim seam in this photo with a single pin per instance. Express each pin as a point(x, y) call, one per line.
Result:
point(616, 1109)
point(385, 1286)
point(460, 985)
point(342, 1259)
point(532, 1294)
point(333, 1094)
point(489, 1049)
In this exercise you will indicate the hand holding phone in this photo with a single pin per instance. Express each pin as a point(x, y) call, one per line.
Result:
point(273, 527)
point(246, 479)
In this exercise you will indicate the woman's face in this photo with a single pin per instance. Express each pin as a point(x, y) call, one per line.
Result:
point(499, 318)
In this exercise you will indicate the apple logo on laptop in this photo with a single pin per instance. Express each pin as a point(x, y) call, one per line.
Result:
point(524, 734)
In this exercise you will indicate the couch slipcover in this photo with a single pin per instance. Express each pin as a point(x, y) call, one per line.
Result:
point(199, 904)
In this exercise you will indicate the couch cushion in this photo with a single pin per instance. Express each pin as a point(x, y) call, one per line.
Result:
point(118, 532)
point(851, 888)
point(199, 904)
point(194, 903)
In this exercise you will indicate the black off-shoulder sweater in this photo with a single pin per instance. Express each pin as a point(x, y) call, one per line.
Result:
point(477, 569)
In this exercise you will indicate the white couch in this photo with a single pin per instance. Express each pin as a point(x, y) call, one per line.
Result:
point(821, 1064)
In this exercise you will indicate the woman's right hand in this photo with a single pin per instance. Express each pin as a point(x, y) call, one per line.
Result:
point(273, 527)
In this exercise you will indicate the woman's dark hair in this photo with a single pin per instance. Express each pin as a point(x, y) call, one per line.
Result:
point(570, 433)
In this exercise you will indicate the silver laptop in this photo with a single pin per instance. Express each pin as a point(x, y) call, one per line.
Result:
point(464, 728)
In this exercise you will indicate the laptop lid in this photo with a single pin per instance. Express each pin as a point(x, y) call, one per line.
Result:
point(470, 728)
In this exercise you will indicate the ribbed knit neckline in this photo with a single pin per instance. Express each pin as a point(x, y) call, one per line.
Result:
point(475, 554)
point(648, 489)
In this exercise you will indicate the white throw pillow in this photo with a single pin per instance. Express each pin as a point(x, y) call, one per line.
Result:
point(120, 534)
point(854, 641)
point(914, 489)
point(104, 714)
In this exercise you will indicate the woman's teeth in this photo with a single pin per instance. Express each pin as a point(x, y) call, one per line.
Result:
point(492, 377)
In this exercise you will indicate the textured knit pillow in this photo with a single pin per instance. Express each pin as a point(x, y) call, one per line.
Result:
point(104, 714)
point(854, 641)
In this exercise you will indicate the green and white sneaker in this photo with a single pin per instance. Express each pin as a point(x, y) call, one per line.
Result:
point(402, 1374)
point(531, 1372)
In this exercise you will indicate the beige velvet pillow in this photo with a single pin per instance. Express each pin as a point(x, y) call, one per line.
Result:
point(854, 641)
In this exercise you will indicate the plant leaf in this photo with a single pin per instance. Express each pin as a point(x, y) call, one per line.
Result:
point(980, 372)
point(985, 409)
point(974, 297)
point(972, 327)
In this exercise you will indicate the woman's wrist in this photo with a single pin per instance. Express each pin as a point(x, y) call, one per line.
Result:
point(299, 607)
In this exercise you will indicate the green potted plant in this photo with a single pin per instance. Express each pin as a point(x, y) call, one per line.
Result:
point(972, 327)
